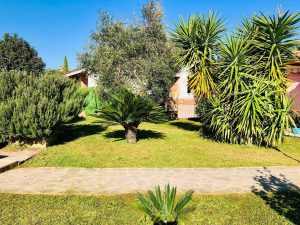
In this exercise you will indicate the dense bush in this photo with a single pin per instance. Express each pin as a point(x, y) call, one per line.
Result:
point(34, 107)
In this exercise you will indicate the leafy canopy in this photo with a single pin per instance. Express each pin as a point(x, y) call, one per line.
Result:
point(137, 55)
point(17, 54)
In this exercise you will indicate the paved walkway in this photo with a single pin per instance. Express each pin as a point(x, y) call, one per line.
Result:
point(49, 180)
point(9, 160)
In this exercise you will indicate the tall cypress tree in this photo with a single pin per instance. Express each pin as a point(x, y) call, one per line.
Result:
point(65, 68)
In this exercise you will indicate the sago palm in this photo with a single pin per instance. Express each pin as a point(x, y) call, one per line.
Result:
point(130, 110)
point(161, 206)
point(197, 40)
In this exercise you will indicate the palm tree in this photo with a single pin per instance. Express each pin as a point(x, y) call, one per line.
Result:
point(274, 43)
point(130, 110)
point(252, 105)
point(198, 40)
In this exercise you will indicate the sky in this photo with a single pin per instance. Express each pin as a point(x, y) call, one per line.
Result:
point(58, 28)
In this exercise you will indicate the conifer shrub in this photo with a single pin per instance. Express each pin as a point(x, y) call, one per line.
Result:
point(34, 107)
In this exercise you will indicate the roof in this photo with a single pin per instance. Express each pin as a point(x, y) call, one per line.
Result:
point(76, 72)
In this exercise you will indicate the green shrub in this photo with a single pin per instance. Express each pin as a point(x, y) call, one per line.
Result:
point(161, 207)
point(92, 102)
point(34, 107)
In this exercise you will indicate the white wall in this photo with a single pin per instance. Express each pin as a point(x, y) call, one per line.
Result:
point(183, 85)
point(91, 81)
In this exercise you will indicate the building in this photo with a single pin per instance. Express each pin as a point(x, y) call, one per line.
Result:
point(182, 101)
point(294, 80)
point(81, 76)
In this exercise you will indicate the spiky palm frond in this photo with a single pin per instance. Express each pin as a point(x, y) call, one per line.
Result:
point(161, 207)
point(197, 40)
point(251, 106)
point(280, 120)
point(125, 108)
point(235, 64)
point(274, 42)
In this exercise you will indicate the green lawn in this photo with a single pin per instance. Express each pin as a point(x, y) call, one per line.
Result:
point(174, 144)
point(123, 210)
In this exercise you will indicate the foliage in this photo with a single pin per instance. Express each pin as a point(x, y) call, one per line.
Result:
point(161, 207)
point(250, 104)
point(130, 110)
point(65, 68)
point(197, 40)
point(17, 54)
point(33, 107)
point(137, 55)
point(92, 102)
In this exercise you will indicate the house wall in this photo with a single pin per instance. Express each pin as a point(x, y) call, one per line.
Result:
point(294, 89)
point(91, 82)
point(83, 81)
point(184, 103)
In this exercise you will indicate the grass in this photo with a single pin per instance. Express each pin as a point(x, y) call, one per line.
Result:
point(123, 210)
point(175, 144)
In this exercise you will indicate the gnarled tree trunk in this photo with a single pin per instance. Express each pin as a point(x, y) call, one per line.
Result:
point(131, 132)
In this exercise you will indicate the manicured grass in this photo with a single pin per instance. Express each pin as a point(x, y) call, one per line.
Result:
point(175, 144)
point(123, 210)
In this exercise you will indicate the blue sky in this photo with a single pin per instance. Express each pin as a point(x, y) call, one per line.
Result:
point(62, 27)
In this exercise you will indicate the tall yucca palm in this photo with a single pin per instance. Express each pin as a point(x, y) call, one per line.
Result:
point(197, 40)
point(161, 206)
point(130, 110)
point(253, 105)
point(274, 41)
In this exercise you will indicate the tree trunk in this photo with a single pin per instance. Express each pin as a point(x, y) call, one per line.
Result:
point(130, 133)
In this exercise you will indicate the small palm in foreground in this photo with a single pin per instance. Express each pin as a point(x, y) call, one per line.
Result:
point(161, 207)
point(130, 110)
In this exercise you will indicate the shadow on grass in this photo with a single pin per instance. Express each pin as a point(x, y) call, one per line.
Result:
point(141, 134)
point(186, 125)
point(286, 155)
point(280, 194)
point(74, 131)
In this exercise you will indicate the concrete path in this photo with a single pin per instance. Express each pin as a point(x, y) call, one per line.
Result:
point(50, 180)
point(9, 160)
